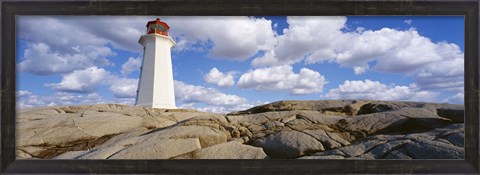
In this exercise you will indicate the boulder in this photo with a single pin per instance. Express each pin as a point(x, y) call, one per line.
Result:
point(454, 114)
point(427, 149)
point(207, 136)
point(157, 148)
point(295, 105)
point(327, 141)
point(229, 150)
point(375, 107)
point(289, 144)
point(323, 129)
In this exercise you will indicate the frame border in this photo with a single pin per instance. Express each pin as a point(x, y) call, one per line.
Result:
point(467, 8)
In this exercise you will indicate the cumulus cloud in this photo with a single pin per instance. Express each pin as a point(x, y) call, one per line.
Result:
point(360, 69)
point(64, 32)
point(124, 87)
point(59, 99)
point(374, 90)
point(408, 21)
point(319, 39)
point(447, 74)
point(40, 59)
point(304, 36)
point(132, 65)
point(458, 98)
point(22, 93)
point(282, 78)
point(63, 44)
point(231, 38)
point(190, 94)
point(221, 109)
point(308, 39)
point(87, 81)
point(82, 81)
point(219, 78)
point(76, 42)
point(209, 99)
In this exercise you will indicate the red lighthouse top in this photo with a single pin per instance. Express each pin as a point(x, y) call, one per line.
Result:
point(158, 27)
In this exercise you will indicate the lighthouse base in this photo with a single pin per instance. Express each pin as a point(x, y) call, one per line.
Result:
point(159, 106)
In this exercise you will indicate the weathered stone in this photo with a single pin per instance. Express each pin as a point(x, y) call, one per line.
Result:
point(286, 129)
point(22, 154)
point(359, 148)
point(157, 148)
point(71, 155)
point(114, 145)
point(207, 136)
point(426, 149)
point(382, 150)
point(289, 144)
point(293, 105)
point(457, 139)
point(322, 136)
point(229, 150)
point(375, 107)
point(456, 114)
point(398, 154)
point(337, 138)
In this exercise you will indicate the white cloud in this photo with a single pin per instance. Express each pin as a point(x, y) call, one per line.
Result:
point(87, 81)
point(76, 42)
point(59, 99)
point(209, 99)
point(124, 87)
point(318, 39)
point(40, 59)
point(374, 90)
point(447, 74)
point(62, 44)
point(132, 65)
point(65, 32)
point(186, 93)
point(458, 98)
point(305, 36)
point(219, 78)
point(283, 78)
point(82, 81)
point(232, 38)
point(360, 69)
point(408, 21)
point(219, 109)
point(308, 38)
point(22, 93)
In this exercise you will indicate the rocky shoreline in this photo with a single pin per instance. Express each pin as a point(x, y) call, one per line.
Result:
point(326, 129)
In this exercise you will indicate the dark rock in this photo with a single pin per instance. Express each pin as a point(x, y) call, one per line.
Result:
point(456, 115)
point(289, 144)
point(375, 107)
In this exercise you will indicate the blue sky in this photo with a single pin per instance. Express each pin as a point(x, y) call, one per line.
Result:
point(223, 64)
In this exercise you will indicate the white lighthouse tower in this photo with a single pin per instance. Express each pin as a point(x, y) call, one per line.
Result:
point(155, 87)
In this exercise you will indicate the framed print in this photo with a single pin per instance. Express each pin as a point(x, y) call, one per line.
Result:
point(215, 87)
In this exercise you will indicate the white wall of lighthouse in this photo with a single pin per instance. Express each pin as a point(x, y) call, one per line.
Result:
point(155, 87)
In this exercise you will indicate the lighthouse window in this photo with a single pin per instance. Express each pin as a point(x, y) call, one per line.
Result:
point(151, 28)
point(161, 28)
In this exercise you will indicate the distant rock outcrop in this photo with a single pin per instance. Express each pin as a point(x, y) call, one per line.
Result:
point(330, 129)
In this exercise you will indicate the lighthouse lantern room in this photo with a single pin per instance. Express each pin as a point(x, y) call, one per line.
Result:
point(158, 27)
point(155, 86)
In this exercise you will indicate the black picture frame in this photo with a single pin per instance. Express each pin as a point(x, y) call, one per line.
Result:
point(467, 8)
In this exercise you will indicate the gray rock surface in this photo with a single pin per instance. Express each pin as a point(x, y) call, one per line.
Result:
point(157, 148)
point(289, 144)
point(229, 150)
point(331, 129)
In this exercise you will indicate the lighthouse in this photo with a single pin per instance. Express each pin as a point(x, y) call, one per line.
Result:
point(155, 86)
